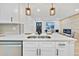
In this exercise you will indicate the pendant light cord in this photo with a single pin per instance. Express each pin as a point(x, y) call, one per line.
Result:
point(28, 5)
point(52, 5)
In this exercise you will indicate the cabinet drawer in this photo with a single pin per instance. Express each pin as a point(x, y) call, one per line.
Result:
point(30, 44)
point(48, 51)
point(29, 51)
point(61, 44)
point(63, 52)
point(47, 44)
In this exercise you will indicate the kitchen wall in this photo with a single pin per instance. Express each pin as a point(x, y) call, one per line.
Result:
point(30, 24)
point(17, 12)
point(30, 21)
point(72, 23)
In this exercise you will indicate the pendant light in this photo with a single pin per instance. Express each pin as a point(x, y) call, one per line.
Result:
point(28, 10)
point(52, 10)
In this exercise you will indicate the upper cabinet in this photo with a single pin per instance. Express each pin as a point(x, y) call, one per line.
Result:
point(9, 12)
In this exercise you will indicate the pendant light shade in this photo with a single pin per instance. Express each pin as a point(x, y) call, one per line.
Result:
point(52, 11)
point(28, 10)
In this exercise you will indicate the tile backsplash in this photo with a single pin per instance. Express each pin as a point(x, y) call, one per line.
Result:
point(9, 29)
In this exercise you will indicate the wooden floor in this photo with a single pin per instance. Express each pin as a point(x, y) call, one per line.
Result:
point(76, 44)
point(77, 48)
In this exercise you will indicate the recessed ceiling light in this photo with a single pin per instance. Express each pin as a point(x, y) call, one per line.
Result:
point(38, 10)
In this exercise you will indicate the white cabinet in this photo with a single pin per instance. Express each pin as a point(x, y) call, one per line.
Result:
point(30, 51)
point(9, 12)
point(48, 48)
point(30, 48)
point(47, 51)
point(65, 48)
point(39, 49)
point(62, 48)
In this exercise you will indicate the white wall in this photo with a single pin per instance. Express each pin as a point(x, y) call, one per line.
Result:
point(57, 26)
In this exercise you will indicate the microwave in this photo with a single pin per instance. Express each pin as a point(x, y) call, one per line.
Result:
point(67, 31)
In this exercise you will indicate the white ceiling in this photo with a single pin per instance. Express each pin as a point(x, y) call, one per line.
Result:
point(62, 10)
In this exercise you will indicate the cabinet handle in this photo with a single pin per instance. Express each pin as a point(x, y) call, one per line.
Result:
point(11, 19)
point(61, 44)
point(57, 52)
point(37, 52)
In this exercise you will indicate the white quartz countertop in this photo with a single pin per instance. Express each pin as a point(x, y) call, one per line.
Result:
point(12, 37)
point(54, 37)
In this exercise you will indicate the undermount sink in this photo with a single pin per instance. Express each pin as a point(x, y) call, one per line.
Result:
point(43, 37)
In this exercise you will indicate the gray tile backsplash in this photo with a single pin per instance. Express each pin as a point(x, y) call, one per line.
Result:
point(9, 28)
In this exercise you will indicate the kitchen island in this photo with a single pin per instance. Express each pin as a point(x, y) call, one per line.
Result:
point(44, 45)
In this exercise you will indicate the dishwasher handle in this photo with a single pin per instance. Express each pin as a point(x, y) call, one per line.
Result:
point(10, 43)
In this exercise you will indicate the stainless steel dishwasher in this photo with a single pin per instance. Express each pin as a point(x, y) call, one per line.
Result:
point(11, 48)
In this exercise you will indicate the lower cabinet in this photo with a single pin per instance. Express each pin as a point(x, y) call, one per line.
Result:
point(65, 48)
point(47, 49)
point(39, 49)
point(39, 52)
point(30, 51)
point(62, 48)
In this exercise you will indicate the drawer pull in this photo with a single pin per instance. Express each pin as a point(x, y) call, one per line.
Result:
point(61, 44)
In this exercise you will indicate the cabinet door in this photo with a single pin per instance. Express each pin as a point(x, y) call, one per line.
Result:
point(30, 49)
point(47, 49)
point(62, 48)
point(9, 12)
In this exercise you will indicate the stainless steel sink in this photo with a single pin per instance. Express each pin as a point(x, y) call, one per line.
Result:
point(43, 37)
